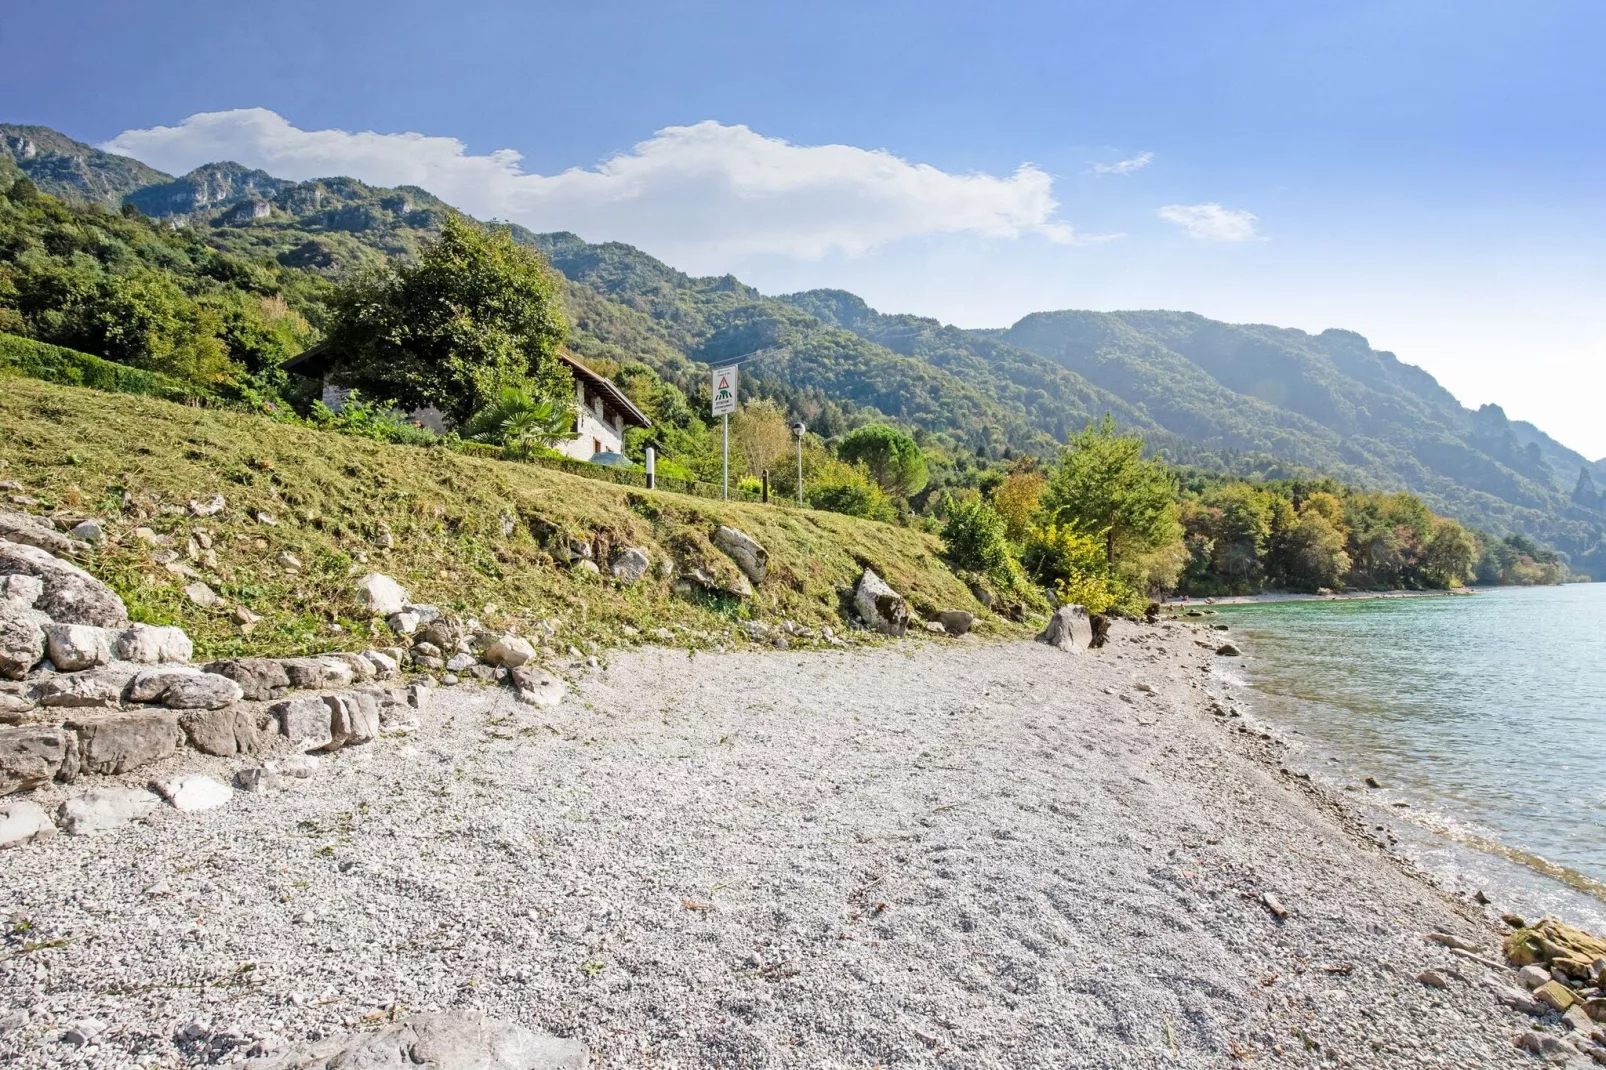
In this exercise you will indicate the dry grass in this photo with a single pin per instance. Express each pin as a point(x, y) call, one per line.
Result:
point(78, 451)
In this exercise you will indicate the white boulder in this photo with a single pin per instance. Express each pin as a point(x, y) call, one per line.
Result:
point(195, 792)
point(380, 596)
point(22, 821)
point(104, 809)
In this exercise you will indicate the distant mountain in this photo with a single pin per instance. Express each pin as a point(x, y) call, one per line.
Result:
point(1245, 398)
point(71, 170)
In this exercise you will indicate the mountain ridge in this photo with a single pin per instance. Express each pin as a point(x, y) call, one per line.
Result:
point(1245, 398)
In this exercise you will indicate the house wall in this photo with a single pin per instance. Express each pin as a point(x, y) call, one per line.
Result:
point(430, 417)
point(600, 431)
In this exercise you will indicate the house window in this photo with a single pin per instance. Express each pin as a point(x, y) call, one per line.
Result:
point(596, 445)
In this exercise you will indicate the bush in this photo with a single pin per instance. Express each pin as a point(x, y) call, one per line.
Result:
point(68, 367)
point(975, 537)
point(1058, 553)
point(376, 420)
point(846, 489)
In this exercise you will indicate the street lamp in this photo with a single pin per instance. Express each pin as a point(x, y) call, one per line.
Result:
point(799, 429)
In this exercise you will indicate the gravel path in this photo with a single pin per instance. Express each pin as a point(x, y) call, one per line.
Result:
point(925, 854)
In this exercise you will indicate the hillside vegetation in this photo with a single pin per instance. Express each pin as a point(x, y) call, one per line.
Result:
point(260, 253)
point(462, 532)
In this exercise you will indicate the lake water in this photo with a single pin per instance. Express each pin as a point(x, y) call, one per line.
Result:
point(1486, 714)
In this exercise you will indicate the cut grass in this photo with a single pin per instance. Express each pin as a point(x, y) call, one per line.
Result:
point(467, 532)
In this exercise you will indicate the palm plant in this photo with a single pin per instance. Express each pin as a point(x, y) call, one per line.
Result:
point(520, 422)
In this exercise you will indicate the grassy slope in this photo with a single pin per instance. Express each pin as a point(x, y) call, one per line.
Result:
point(78, 450)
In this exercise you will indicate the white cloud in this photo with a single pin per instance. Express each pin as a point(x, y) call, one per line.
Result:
point(1125, 167)
point(1212, 222)
point(701, 193)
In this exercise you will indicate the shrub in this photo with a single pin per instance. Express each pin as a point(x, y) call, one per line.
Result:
point(975, 536)
point(68, 367)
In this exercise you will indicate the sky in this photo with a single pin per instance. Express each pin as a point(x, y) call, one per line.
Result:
point(1429, 174)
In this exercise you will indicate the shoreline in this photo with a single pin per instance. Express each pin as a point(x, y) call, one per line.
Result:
point(958, 852)
point(1299, 596)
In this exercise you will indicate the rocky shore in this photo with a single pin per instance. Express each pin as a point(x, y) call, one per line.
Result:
point(948, 852)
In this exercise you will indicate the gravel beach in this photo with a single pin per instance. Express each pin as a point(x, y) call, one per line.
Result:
point(936, 853)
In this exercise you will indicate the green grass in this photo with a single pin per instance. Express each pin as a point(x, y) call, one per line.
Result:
point(78, 451)
point(68, 367)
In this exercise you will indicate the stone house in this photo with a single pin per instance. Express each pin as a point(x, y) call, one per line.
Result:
point(602, 410)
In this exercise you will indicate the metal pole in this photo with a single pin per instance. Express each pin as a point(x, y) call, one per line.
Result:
point(652, 473)
point(725, 447)
point(766, 494)
point(800, 469)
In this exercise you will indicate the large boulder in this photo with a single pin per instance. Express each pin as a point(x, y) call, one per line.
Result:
point(260, 679)
point(380, 596)
point(22, 641)
point(152, 645)
point(22, 821)
point(201, 691)
point(223, 732)
point(32, 531)
point(100, 687)
point(33, 755)
point(1068, 629)
point(309, 674)
point(112, 743)
point(148, 685)
point(72, 647)
point(446, 1040)
point(353, 718)
point(508, 652)
point(104, 809)
point(742, 548)
point(879, 606)
point(302, 720)
point(71, 595)
point(956, 621)
point(631, 564)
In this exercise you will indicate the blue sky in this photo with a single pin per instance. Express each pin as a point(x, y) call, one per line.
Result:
point(1426, 173)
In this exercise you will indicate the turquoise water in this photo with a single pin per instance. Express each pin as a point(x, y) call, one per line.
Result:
point(1485, 713)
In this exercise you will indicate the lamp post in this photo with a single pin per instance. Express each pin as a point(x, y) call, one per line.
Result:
point(799, 429)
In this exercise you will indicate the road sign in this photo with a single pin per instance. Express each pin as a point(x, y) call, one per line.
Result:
point(724, 390)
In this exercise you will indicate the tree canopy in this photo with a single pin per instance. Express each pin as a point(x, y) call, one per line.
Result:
point(892, 456)
point(1105, 486)
point(475, 314)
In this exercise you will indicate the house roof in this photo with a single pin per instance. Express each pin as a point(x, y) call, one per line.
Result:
point(315, 362)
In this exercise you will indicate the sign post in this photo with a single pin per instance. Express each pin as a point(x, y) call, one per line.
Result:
point(724, 395)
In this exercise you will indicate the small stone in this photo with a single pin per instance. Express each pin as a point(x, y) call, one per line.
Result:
point(1532, 976)
point(151, 645)
point(211, 507)
point(202, 595)
point(1578, 1020)
point(1432, 979)
point(302, 720)
point(201, 691)
point(81, 1032)
point(353, 718)
point(195, 792)
point(300, 766)
point(384, 665)
point(405, 623)
point(534, 686)
point(20, 592)
point(265, 519)
point(507, 651)
point(258, 779)
point(459, 662)
point(1274, 905)
point(587, 566)
point(88, 530)
point(1372, 782)
point(73, 647)
point(380, 596)
point(956, 621)
point(1555, 995)
point(631, 564)
point(935, 627)
point(100, 687)
point(1227, 650)
point(448, 679)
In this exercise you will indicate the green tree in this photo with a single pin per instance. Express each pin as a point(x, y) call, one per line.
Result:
point(474, 315)
point(521, 422)
point(1314, 553)
point(893, 458)
point(1449, 555)
point(1104, 485)
point(976, 537)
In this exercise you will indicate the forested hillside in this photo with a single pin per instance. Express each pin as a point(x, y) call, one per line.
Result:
point(247, 259)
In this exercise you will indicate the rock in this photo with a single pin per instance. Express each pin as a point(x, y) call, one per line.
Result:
point(73, 647)
point(879, 606)
point(258, 779)
point(97, 688)
point(956, 621)
point(1227, 650)
point(260, 679)
point(201, 691)
point(450, 1040)
point(111, 743)
point(299, 766)
point(742, 548)
point(104, 809)
point(20, 592)
point(202, 595)
point(1555, 995)
point(302, 720)
point(23, 822)
point(195, 792)
point(1519, 1001)
point(223, 732)
point(88, 530)
point(211, 507)
point(1532, 976)
point(13, 704)
point(428, 661)
point(71, 595)
point(33, 531)
point(148, 685)
point(1068, 629)
point(508, 651)
point(405, 623)
point(459, 662)
point(1432, 979)
point(32, 755)
point(22, 641)
point(534, 686)
point(1274, 905)
point(286, 559)
point(151, 645)
point(384, 665)
point(309, 674)
point(631, 564)
point(245, 619)
point(1578, 1020)
point(935, 627)
point(353, 718)
point(380, 596)
point(362, 670)
point(587, 566)
point(441, 633)
point(1372, 782)
point(418, 696)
